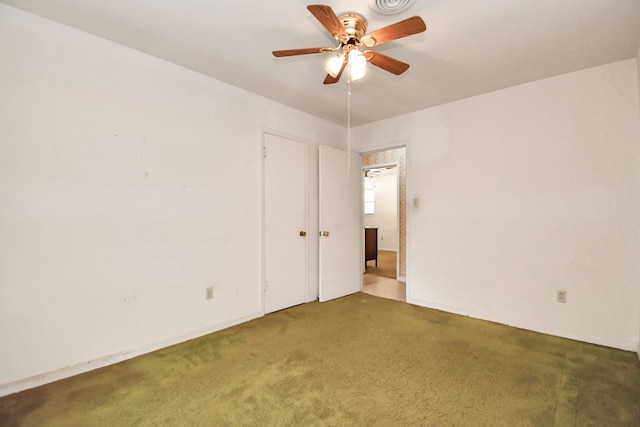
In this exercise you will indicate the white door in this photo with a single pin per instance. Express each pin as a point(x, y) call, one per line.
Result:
point(340, 224)
point(285, 222)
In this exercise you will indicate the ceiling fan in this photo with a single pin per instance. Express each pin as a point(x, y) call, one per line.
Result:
point(350, 31)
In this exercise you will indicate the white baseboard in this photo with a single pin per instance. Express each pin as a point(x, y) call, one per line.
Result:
point(80, 368)
point(402, 279)
point(577, 336)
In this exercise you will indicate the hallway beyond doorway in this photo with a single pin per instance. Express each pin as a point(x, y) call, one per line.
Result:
point(385, 265)
point(384, 287)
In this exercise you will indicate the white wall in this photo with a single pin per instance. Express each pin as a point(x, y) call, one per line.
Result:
point(525, 191)
point(127, 186)
point(385, 216)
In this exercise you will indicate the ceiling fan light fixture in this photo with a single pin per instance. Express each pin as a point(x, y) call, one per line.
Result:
point(334, 65)
point(350, 31)
point(357, 64)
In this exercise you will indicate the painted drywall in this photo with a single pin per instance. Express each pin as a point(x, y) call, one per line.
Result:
point(385, 216)
point(128, 185)
point(523, 192)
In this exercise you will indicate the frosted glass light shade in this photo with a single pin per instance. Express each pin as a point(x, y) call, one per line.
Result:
point(357, 65)
point(334, 65)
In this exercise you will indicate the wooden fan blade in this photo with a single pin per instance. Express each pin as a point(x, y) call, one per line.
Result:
point(327, 18)
point(306, 51)
point(330, 79)
point(386, 62)
point(407, 27)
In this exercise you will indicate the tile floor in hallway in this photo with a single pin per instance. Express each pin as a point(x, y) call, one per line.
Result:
point(384, 287)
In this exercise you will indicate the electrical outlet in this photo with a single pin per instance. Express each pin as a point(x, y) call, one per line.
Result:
point(561, 296)
point(209, 293)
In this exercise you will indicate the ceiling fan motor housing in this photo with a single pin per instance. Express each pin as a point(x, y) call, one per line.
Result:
point(355, 26)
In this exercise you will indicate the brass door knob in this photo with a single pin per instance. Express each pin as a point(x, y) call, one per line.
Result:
point(325, 234)
point(303, 233)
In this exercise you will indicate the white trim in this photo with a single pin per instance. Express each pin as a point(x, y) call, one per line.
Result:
point(563, 333)
point(385, 147)
point(261, 267)
point(408, 213)
point(101, 362)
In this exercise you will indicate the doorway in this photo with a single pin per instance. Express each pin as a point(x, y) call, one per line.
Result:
point(384, 218)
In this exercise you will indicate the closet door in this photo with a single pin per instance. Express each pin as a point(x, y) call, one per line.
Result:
point(285, 222)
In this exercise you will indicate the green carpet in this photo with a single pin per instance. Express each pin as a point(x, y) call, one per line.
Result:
point(359, 360)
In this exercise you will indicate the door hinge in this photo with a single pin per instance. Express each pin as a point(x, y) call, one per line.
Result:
point(264, 287)
point(264, 151)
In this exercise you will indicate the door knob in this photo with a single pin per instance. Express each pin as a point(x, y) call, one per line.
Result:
point(303, 233)
point(325, 234)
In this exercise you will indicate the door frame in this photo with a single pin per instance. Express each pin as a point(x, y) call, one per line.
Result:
point(409, 203)
point(261, 285)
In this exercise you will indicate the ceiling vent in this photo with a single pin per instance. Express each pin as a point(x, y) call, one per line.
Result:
point(390, 7)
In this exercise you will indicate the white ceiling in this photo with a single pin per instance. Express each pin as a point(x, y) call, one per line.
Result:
point(470, 46)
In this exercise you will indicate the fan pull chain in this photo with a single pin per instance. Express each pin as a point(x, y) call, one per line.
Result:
point(349, 122)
